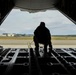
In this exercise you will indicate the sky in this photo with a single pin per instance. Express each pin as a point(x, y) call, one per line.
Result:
point(23, 22)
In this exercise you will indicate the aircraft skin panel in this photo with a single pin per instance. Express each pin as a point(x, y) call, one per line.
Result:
point(68, 8)
point(35, 4)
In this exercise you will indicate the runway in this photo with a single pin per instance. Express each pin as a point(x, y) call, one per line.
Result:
point(30, 43)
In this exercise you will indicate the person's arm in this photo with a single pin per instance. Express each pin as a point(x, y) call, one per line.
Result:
point(49, 35)
point(36, 31)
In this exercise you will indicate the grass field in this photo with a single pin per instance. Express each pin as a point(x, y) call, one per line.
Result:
point(31, 37)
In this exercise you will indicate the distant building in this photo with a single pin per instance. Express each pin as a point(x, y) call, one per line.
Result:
point(4, 34)
point(8, 34)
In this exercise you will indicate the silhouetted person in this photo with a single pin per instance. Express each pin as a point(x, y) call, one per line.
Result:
point(42, 35)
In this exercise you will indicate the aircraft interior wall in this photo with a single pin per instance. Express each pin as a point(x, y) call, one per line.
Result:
point(5, 8)
point(68, 8)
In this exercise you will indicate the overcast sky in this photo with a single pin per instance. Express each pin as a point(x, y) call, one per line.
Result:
point(24, 22)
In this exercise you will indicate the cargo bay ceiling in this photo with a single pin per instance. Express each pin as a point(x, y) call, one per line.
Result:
point(67, 7)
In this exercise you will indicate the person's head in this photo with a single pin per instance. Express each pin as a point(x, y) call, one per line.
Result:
point(42, 24)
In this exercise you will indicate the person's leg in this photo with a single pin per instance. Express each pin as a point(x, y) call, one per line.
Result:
point(45, 48)
point(50, 47)
point(36, 46)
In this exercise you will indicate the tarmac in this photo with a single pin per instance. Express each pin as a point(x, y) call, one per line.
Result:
point(30, 43)
point(33, 46)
